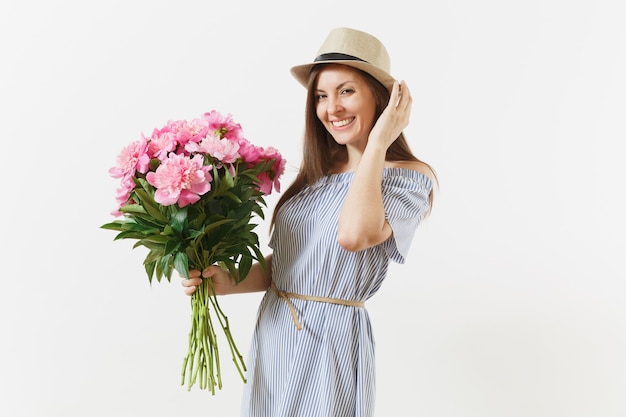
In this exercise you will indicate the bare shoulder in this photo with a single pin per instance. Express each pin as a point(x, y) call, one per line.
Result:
point(413, 165)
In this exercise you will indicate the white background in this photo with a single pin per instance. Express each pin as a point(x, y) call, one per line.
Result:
point(511, 303)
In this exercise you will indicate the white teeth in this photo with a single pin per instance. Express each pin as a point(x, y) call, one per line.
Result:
point(341, 123)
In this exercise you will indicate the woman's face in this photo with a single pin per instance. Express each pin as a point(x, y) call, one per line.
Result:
point(345, 104)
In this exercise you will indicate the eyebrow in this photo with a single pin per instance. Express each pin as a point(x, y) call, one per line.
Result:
point(339, 87)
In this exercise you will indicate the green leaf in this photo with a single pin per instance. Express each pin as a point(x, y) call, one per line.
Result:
point(171, 246)
point(148, 222)
point(156, 246)
point(259, 257)
point(230, 265)
point(231, 196)
point(228, 179)
point(143, 183)
point(217, 223)
point(160, 266)
point(153, 256)
point(165, 267)
point(160, 239)
point(129, 234)
point(116, 225)
point(151, 206)
point(244, 267)
point(168, 231)
point(132, 226)
point(133, 208)
point(149, 267)
point(181, 264)
point(178, 219)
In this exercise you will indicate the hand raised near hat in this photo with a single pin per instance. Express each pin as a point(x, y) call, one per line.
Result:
point(394, 118)
point(362, 221)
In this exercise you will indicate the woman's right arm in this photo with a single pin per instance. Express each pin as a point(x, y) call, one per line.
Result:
point(256, 280)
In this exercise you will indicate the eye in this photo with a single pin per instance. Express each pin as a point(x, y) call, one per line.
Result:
point(346, 91)
point(320, 96)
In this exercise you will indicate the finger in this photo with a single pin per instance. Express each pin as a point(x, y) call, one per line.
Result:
point(404, 91)
point(397, 92)
point(191, 285)
point(193, 273)
point(211, 270)
point(191, 282)
point(405, 101)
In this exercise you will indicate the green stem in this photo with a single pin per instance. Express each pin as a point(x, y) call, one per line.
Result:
point(208, 342)
point(202, 363)
point(236, 355)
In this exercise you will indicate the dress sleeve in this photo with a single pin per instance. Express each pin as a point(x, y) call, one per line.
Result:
point(405, 197)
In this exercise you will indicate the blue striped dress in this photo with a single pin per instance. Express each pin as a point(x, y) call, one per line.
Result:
point(326, 369)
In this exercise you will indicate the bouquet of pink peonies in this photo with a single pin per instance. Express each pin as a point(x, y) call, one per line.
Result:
point(188, 194)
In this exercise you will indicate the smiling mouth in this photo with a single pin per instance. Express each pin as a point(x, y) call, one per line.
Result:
point(342, 123)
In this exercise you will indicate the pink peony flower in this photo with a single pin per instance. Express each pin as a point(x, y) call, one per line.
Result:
point(266, 183)
point(186, 132)
point(127, 185)
point(271, 179)
point(223, 126)
point(161, 143)
point(223, 150)
point(272, 153)
point(131, 159)
point(191, 132)
point(250, 153)
point(180, 179)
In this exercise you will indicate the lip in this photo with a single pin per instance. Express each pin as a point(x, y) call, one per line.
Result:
point(339, 124)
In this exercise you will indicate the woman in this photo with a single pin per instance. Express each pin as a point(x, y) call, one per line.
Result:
point(355, 204)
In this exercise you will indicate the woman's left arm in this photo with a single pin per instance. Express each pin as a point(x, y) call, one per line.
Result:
point(362, 222)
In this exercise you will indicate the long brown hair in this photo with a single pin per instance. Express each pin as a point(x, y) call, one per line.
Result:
point(321, 153)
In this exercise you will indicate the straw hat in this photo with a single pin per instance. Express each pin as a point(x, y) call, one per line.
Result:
point(353, 48)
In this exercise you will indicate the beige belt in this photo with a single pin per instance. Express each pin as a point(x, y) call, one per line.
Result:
point(287, 295)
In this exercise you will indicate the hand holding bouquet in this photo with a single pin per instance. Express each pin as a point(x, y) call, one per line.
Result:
point(188, 193)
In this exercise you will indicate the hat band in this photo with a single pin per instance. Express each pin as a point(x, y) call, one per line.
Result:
point(336, 56)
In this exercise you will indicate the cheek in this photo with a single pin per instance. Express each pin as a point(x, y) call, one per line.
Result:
point(321, 112)
point(371, 115)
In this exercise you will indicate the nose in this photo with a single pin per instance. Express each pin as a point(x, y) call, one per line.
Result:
point(334, 105)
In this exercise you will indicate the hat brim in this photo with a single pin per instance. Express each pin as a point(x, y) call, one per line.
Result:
point(301, 72)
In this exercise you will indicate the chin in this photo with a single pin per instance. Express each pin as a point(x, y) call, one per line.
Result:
point(342, 142)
